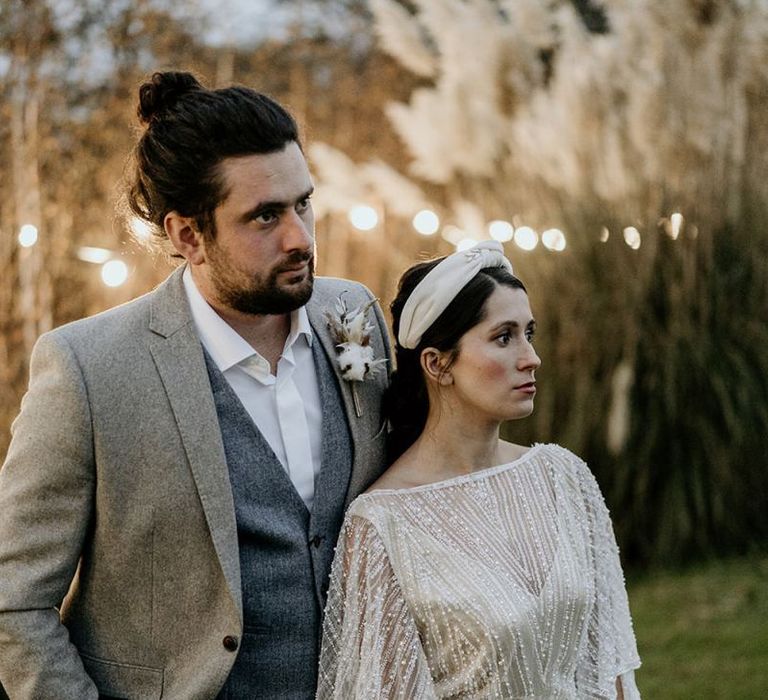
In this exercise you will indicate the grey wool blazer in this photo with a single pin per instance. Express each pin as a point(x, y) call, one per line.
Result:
point(119, 567)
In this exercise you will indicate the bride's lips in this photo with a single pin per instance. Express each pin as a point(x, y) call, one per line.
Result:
point(527, 388)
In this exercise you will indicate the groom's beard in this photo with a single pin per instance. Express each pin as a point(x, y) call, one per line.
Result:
point(280, 292)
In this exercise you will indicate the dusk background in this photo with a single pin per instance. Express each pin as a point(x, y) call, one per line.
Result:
point(619, 150)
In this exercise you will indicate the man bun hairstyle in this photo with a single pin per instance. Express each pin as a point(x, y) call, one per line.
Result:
point(162, 92)
point(406, 401)
point(190, 130)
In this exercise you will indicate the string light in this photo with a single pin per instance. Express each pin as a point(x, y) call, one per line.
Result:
point(90, 254)
point(453, 234)
point(675, 224)
point(27, 236)
point(501, 231)
point(553, 239)
point(363, 217)
point(114, 273)
point(632, 237)
point(426, 222)
point(604, 234)
point(526, 238)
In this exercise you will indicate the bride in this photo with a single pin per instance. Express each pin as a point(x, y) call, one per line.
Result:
point(474, 568)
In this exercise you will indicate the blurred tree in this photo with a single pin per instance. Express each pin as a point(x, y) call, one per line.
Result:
point(84, 62)
point(69, 72)
point(649, 115)
point(30, 37)
point(587, 116)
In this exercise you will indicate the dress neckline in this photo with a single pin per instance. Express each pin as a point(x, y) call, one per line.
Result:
point(462, 478)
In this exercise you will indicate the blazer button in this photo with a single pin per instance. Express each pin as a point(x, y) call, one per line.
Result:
point(230, 643)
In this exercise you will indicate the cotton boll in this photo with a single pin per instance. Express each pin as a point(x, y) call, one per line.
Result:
point(354, 361)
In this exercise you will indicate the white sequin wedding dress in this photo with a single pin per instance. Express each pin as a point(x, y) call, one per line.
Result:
point(504, 583)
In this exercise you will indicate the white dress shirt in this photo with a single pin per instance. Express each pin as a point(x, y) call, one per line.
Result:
point(284, 406)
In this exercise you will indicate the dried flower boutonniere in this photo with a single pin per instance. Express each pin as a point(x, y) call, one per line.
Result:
point(351, 334)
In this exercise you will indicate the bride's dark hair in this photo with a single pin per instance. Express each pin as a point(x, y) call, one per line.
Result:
point(406, 402)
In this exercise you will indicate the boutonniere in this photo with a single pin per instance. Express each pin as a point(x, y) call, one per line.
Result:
point(351, 332)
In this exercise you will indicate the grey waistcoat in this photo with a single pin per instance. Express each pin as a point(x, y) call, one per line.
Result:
point(285, 552)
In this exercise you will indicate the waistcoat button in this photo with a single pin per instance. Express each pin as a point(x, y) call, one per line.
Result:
point(230, 643)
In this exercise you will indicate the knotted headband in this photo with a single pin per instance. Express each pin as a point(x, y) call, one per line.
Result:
point(440, 286)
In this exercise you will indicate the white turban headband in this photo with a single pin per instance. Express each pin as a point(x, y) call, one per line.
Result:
point(441, 285)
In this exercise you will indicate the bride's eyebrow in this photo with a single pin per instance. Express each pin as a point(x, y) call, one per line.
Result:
point(512, 325)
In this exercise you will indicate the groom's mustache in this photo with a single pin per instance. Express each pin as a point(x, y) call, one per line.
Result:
point(293, 261)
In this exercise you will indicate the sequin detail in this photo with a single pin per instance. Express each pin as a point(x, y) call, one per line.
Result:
point(502, 584)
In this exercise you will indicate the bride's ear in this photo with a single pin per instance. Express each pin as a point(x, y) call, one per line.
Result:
point(436, 366)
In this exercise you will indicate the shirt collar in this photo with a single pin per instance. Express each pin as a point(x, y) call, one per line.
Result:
point(223, 343)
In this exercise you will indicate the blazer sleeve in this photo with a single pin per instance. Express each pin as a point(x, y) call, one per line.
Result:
point(611, 651)
point(46, 496)
point(371, 647)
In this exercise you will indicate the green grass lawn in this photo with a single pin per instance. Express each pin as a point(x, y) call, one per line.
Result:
point(703, 633)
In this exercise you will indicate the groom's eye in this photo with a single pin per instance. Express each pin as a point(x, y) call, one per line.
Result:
point(266, 217)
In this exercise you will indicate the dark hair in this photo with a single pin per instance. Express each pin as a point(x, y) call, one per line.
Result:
point(189, 131)
point(406, 402)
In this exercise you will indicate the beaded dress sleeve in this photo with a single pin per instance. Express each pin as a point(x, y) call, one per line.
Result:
point(611, 650)
point(371, 647)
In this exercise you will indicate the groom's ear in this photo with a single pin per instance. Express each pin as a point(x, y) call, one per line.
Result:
point(185, 237)
point(436, 365)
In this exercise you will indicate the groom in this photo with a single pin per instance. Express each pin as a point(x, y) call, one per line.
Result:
point(181, 464)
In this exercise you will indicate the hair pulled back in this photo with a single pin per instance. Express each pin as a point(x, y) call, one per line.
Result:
point(189, 130)
point(162, 92)
point(406, 402)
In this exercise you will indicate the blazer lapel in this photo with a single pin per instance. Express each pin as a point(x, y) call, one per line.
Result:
point(333, 479)
point(179, 358)
point(364, 429)
point(319, 324)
